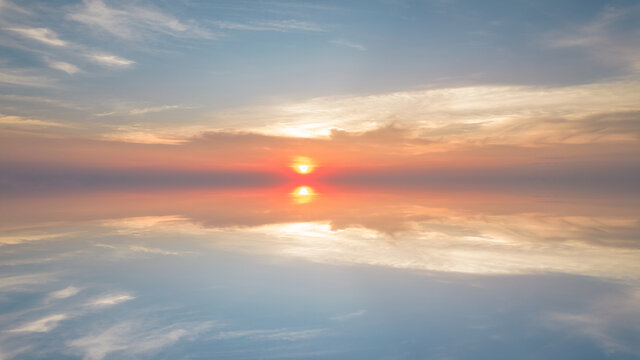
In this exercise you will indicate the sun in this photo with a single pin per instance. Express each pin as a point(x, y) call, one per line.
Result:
point(303, 194)
point(303, 165)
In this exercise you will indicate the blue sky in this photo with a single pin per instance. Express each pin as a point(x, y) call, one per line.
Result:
point(112, 67)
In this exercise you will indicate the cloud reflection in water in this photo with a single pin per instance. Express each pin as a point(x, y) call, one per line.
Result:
point(276, 271)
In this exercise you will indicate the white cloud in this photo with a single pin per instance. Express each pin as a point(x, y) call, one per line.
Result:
point(134, 340)
point(21, 282)
point(21, 238)
point(67, 292)
point(489, 244)
point(108, 113)
point(608, 322)
point(8, 6)
point(349, 44)
point(274, 25)
point(271, 334)
point(63, 66)
point(110, 300)
point(154, 109)
point(40, 99)
point(605, 40)
point(22, 121)
point(44, 324)
point(491, 114)
point(133, 22)
point(18, 77)
point(143, 249)
point(44, 35)
point(109, 60)
point(135, 134)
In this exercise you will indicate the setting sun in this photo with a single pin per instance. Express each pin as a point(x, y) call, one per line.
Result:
point(303, 165)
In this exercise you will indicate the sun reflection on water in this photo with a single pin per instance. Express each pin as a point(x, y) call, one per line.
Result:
point(303, 195)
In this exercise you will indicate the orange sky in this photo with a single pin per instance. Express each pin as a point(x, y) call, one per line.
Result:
point(389, 151)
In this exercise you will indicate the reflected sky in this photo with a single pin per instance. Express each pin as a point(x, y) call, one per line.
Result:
point(319, 271)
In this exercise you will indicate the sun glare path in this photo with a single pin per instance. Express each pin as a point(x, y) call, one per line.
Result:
point(303, 194)
point(303, 165)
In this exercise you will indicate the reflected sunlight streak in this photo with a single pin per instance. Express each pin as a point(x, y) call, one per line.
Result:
point(303, 195)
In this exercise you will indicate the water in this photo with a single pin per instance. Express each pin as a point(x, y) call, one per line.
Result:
point(320, 272)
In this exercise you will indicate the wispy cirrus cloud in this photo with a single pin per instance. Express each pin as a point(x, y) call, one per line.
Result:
point(134, 339)
point(49, 37)
point(109, 60)
point(22, 238)
point(63, 66)
point(44, 324)
point(41, 100)
point(271, 334)
point(271, 25)
point(613, 37)
point(67, 292)
point(611, 322)
point(154, 109)
point(110, 300)
point(143, 249)
point(43, 35)
point(22, 78)
point(8, 6)
point(20, 282)
point(131, 21)
point(20, 121)
point(348, 44)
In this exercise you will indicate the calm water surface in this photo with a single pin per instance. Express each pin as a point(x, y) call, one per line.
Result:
point(316, 272)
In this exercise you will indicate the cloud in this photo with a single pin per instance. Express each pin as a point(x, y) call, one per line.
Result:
point(63, 66)
point(273, 25)
point(611, 322)
point(271, 334)
point(349, 316)
point(49, 37)
point(134, 339)
point(147, 250)
point(444, 240)
point(133, 22)
point(18, 77)
point(20, 121)
point(44, 35)
point(348, 44)
point(520, 115)
point(21, 282)
point(109, 60)
point(154, 109)
point(8, 6)
point(22, 238)
point(108, 113)
point(110, 300)
point(44, 324)
point(139, 135)
point(67, 292)
point(613, 37)
point(41, 99)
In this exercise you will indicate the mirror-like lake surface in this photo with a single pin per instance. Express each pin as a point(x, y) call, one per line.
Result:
point(311, 271)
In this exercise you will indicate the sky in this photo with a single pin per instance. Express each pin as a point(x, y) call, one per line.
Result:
point(248, 85)
point(380, 179)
